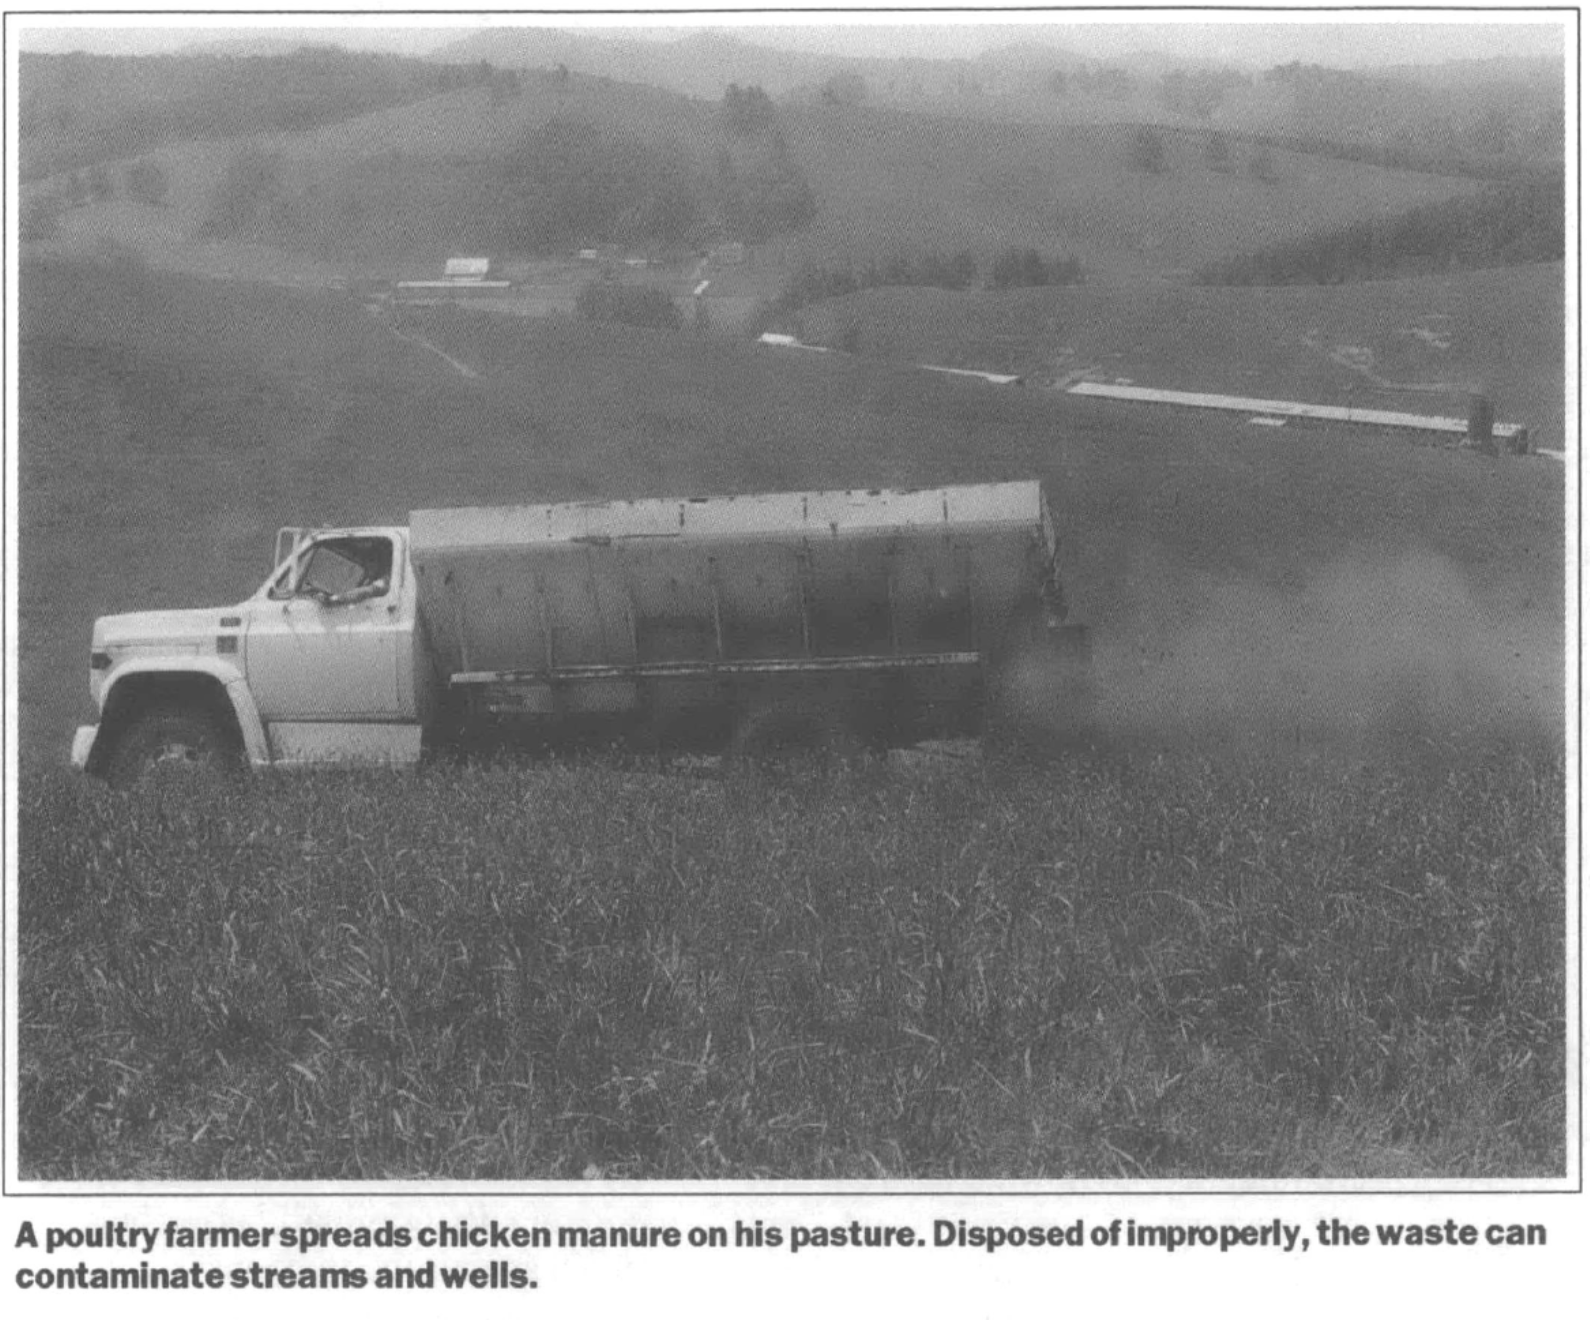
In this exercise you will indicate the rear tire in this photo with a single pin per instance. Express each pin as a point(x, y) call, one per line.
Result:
point(171, 743)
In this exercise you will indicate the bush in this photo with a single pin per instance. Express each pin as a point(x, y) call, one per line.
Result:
point(628, 304)
point(571, 183)
point(251, 182)
point(1508, 225)
point(1148, 151)
point(145, 182)
point(1025, 268)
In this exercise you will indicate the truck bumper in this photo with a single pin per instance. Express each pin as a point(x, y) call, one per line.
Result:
point(83, 745)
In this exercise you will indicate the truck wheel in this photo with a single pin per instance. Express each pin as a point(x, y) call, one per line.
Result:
point(170, 742)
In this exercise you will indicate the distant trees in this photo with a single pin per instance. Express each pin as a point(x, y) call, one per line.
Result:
point(504, 85)
point(760, 188)
point(843, 89)
point(1025, 268)
point(1104, 82)
point(250, 182)
point(645, 306)
point(1217, 152)
point(145, 182)
point(1483, 121)
point(1261, 164)
point(1146, 151)
point(569, 184)
point(1199, 93)
point(747, 112)
point(1010, 269)
point(1508, 225)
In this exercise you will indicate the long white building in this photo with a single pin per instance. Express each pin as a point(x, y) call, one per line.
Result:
point(1504, 432)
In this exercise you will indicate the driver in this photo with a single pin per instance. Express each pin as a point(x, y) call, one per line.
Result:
point(370, 586)
point(373, 560)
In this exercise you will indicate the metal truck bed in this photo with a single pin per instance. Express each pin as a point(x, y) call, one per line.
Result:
point(562, 600)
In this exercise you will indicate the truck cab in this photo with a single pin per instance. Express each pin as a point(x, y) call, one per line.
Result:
point(319, 664)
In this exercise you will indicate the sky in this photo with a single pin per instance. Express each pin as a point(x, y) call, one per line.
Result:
point(1238, 39)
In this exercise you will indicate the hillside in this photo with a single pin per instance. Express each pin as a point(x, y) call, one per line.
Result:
point(217, 413)
point(1499, 331)
point(1478, 116)
point(889, 180)
point(410, 183)
point(80, 110)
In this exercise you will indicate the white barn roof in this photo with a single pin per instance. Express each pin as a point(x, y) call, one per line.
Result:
point(467, 268)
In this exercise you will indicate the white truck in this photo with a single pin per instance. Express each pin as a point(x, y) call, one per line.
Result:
point(882, 615)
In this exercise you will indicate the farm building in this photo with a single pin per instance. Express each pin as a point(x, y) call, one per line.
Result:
point(461, 277)
point(1511, 434)
point(467, 269)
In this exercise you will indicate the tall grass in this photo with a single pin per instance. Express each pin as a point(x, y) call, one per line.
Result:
point(1143, 964)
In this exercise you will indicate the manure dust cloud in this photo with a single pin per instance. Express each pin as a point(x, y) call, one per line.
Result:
point(1369, 648)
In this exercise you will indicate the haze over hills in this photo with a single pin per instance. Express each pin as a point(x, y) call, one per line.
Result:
point(1244, 43)
point(1119, 164)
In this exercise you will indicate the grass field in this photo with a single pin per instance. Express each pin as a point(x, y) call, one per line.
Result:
point(1299, 911)
point(1183, 965)
point(1496, 331)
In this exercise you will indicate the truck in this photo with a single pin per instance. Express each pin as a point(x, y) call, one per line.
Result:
point(749, 623)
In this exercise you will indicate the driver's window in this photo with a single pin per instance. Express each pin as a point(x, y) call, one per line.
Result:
point(330, 569)
point(334, 568)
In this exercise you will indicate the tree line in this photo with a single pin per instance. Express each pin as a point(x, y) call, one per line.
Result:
point(567, 184)
point(1012, 268)
point(1506, 225)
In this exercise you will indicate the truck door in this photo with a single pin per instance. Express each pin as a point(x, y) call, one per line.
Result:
point(324, 641)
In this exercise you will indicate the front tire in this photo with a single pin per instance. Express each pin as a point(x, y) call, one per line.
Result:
point(171, 743)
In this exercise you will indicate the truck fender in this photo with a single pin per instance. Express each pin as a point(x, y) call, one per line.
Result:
point(241, 701)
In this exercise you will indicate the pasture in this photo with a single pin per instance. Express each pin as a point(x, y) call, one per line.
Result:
point(1412, 344)
point(1298, 911)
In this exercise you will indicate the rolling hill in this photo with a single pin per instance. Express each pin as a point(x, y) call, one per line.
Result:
point(1473, 115)
point(171, 425)
point(410, 183)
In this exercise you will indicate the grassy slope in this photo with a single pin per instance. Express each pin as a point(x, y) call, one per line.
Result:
point(241, 409)
point(953, 972)
point(884, 180)
point(1504, 330)
point(1173, 966)
point(890, 180)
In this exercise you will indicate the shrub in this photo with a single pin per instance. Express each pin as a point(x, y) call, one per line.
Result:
point(1147, 152)
point(250, 183)
point(628, 304)
point(145, 182)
